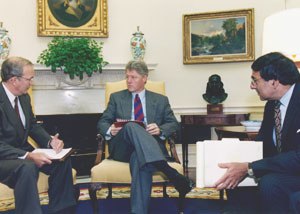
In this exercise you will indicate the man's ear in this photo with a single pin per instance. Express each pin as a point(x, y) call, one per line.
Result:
point(275, 83)
point(12, 79)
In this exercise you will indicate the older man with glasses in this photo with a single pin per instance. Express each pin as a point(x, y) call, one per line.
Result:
point(19, 167)
point(275, 78)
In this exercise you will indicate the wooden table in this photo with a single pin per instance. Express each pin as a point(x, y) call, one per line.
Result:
point(206, 120)
point(235, 132)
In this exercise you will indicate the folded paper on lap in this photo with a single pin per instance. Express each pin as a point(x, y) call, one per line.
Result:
point(62, 155)
point(212, 152)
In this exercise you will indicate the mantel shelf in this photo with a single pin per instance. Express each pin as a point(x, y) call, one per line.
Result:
point(45, 79)
point(109, 67)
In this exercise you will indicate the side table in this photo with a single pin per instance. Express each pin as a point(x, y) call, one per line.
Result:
point(206, 120)
point(236, 132)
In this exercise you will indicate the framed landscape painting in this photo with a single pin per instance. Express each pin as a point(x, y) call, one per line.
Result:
point(82, 18)
point(226, 36)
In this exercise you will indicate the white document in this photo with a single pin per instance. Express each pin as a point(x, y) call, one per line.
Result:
point(53, 155)
point(211, 152)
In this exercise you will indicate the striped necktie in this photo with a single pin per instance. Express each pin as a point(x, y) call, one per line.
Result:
point(277, 119)
point(138, 109)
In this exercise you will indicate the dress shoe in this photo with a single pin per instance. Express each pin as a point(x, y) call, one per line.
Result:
point(183, 185)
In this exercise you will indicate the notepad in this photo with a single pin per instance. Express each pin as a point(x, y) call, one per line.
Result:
point(211, 152)
point(123, 122)
point(61, 156)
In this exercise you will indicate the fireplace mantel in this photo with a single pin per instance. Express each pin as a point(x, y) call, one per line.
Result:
point(53, 94)
point(45, 79)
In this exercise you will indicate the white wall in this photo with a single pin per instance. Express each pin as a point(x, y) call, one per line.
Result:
point(161, 22)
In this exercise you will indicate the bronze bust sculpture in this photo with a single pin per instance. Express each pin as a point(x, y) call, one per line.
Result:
point(215, 92)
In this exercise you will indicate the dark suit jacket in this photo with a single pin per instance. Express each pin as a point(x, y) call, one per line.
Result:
point(158, 111)
point(274, 162)
point(13, 141)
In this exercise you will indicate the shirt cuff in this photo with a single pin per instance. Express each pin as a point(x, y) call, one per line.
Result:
point(24, 156)
point(162, 136)
point(108, 135)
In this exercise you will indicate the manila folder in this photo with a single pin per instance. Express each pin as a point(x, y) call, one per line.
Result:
point(211, 152)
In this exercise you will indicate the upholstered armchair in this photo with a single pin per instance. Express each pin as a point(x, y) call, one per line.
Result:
point(108, 171)
point(6, 192)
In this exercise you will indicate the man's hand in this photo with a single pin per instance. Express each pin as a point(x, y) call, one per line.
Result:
point(114, 130)
point(39, 159)
point(233, 176)
point(153, 129)
point(56, 143)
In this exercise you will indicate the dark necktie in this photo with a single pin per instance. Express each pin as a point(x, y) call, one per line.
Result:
point(138, 109)
point(17, 110)
point(277, 118)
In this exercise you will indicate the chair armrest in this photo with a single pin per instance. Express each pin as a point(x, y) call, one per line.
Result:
point(100, 148)
point(171, 142)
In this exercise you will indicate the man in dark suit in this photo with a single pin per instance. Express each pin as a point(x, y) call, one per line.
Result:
point(275, 78)
point(142, 147)
point(19, 167)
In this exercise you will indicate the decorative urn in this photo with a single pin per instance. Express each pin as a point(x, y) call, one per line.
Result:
point(138, 45)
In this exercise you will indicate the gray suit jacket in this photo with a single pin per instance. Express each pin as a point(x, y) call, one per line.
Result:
point(158, 111)
point(13, 140)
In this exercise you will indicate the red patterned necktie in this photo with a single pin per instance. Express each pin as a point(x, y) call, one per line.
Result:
point(17, 108)
point(138, 109)
point(277, 118)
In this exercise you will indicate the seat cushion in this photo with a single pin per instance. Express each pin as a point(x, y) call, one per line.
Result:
point(111, 171)
point(6, 192)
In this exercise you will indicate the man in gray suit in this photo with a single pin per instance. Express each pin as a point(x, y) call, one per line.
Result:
point(141, 147)
point(19, 167)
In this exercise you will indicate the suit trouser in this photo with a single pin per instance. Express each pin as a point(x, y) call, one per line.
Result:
point(276, 193)
point(135, 145)
point(22, 176)
point(295, 202)
point(277, 190)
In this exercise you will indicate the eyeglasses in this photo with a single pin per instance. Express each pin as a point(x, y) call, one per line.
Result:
point(28, 79)
point(254, 81)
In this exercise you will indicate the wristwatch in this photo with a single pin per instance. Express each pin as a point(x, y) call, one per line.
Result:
point(250, 171)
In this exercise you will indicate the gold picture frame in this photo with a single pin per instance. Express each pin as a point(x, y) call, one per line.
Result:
point(77, 18)
point(213, 37)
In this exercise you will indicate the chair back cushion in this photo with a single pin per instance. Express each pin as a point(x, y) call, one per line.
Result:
point(111, 87)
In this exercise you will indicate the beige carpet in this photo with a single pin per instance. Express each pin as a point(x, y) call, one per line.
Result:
point(124, 192)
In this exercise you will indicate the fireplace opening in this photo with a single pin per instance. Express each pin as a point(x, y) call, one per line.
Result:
point(77, 131)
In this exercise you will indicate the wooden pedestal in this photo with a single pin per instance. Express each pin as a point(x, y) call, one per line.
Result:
point(214, 109)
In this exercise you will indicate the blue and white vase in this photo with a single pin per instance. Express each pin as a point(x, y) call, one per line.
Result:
point(5, 43)
point(138, 45)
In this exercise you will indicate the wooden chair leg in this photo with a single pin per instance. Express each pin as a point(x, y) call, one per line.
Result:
point(109, 187)
point(93, 195)
point(165, 194)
